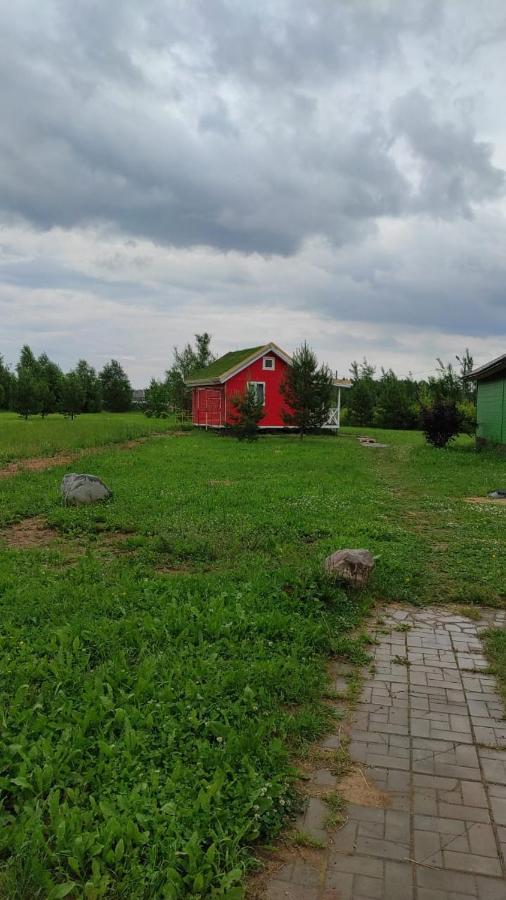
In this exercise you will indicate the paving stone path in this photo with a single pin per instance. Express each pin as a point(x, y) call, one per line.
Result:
point(428, 742)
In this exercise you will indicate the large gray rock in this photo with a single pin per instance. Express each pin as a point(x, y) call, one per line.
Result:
point(79, 490)
point(353, 566)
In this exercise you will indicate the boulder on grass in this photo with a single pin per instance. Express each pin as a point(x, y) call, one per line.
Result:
point(80, 490)
point(352, 566)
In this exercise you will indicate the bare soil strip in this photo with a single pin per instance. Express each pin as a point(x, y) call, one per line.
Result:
point(40, 463)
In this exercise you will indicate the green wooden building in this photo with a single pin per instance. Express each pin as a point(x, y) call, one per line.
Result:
point(491, 401)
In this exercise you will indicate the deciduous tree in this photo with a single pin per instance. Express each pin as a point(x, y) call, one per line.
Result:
point(156, 401)
point(91, 387)
point(116, 387)
point(26, 395)
point(72, 395)
point(186, 362)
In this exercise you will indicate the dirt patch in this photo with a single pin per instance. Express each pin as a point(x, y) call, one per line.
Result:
point(34, 533)
point(355, 788)
point(272, 861)
point(28, 534)
point(114, 541)
point(487, 500)
point(39, 463)
point(173, 570)
point(128, 445)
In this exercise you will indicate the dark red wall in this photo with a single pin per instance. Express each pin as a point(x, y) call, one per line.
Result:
point(208, 406)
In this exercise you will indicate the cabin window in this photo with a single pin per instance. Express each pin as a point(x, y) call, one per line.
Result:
point(268, 362)
point(259, 389)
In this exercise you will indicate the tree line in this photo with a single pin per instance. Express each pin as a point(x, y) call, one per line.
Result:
point(442, 405)
point(386, 401)
point(38, 386)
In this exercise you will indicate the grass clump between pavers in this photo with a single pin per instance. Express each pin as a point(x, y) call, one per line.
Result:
point(494, 640)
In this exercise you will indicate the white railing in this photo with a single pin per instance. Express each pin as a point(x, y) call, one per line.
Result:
point(333, 419)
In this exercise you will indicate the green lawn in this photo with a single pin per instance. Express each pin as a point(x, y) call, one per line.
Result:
point(163, 660)
point(20, 438)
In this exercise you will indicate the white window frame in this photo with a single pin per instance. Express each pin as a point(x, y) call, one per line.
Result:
point(254, 384)
point(271, 359)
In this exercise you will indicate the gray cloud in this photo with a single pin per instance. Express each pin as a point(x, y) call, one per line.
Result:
point(224, 125)
point(455, 168)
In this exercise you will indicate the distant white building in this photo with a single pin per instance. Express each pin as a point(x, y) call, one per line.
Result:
point(138, 397)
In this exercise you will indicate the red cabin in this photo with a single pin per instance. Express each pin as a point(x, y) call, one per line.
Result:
point(261, 367)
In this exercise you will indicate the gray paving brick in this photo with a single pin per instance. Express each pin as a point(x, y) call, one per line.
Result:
point(282, 890)
point(437, 879)
point(398, 881)
point(491, 888)
point(471, 862)
point(366, 886)
point(364, 865)
point(498, 810)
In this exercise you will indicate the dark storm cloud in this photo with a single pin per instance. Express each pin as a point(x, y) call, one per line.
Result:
point(223, 124)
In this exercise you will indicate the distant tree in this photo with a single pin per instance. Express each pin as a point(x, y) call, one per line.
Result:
point(27, 394)
point(185, 363)
point(91, 387)
point(447, 384)
point(116, 387)
point(7, 385)
point(73, 395)
point(363, 394)
point(394, 408)
point(467, 409)
point(50, 377)
point(450, 388)
point(156, 400)
point(247, 411)
point(441, 421)
point(466, 363)
point(307, 390)
point(27, 360)
point(2, 396)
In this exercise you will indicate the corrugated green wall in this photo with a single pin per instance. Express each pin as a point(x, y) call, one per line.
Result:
point(491, 410)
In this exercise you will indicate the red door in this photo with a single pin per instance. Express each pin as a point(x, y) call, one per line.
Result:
point(209, 402)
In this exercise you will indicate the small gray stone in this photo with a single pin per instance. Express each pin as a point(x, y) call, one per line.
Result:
point(80, 490)
point(353, 566)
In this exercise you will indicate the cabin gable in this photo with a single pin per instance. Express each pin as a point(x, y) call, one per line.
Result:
point(269, 378)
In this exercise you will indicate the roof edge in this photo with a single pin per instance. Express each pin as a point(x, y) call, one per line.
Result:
point(490, 368)
point(271, 347)
point(243, 364)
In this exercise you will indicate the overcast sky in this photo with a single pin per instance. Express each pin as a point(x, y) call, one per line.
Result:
point(261, 169)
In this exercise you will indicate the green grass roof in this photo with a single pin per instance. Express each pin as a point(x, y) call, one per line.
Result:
point(224, 363)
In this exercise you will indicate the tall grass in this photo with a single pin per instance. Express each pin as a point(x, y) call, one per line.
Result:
point(36, 436)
